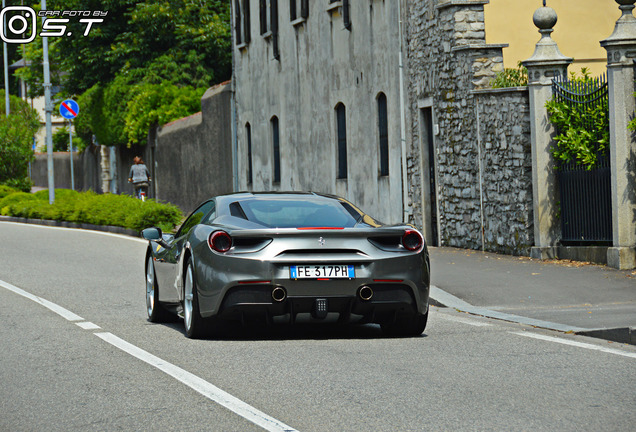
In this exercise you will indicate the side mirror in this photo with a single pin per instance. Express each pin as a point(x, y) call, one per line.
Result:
point(153, 234)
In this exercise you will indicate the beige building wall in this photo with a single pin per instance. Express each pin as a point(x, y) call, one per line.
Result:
point(581, 26)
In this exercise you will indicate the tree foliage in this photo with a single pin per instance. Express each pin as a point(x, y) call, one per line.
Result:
point(16, 139)
point(147, 63)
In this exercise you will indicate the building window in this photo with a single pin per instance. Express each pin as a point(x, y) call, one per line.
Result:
point(341, 131)
point(346, 14)
point(246, 21)
point(242, 21)
point(273, 21)
point(248, 137)
point(276, 145)
point(383, 133)
point(296, 6)
point(237, 22)
point(263, 15)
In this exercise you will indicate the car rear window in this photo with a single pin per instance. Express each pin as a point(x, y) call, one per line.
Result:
point(296, 213)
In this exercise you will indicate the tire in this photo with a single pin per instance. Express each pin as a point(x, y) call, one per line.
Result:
point(409, 325)
point(156, 312)
point(194, 323)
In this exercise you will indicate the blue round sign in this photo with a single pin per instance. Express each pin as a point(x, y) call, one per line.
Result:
point(69, 109)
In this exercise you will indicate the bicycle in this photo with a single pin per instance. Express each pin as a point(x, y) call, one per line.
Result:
point(141, 190)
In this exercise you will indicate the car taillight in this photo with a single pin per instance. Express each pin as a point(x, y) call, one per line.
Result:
point(220, 241)
point(412, 240)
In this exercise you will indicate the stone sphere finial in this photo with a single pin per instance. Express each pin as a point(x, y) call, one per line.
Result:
point(545, 18)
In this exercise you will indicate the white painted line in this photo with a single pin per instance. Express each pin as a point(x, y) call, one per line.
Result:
point(463, 320)
point(88, 325)
point(200, 385)
point(64, 313)
point(122, 236)
point(576, 344)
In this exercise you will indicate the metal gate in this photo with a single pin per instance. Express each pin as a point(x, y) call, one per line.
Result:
point(586, 207)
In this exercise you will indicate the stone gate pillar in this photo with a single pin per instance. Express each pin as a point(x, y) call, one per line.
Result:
point(546, 63)
point(621, 54)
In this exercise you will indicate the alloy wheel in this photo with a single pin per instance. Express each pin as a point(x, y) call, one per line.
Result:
point(150, 287)
point(187, 298)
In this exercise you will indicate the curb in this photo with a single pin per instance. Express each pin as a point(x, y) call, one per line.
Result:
point(621, 335)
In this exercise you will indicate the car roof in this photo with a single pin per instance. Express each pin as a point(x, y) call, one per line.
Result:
point(243, 196)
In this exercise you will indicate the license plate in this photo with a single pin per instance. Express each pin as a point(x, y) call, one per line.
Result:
point(340, 271)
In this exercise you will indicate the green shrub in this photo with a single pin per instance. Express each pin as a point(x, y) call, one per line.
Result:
point(59, 194)
point(510, 77)
point(92, 208)
point(6, 190)
point(23, 184)
point(582, 131)
point(15, 203)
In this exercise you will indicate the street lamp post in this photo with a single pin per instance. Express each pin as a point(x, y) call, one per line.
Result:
point(6, 70)
point(48, 109)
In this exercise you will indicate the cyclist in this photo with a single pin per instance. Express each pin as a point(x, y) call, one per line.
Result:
point(140, 177)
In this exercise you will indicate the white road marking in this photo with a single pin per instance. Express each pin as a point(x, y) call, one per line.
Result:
point(122, 236)
point(576, 344)
point(64, 313)
point(463, 320)
point(203, 387)
point(88, 325)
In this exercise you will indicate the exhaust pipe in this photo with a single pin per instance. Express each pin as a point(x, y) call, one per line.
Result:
point(365, 293)
point(279, 294)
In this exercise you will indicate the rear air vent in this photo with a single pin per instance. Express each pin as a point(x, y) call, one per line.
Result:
point(305, 253)
point(322, 251)
point(386, 242)
point(250, 244)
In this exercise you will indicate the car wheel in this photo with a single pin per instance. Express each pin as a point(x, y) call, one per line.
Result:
point(156, 312)
point(409, 325)
point(191, 317)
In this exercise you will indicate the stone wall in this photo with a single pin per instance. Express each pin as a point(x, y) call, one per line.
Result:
point(85, 170)
point(449, 66)
point(193, 155)
point(504, 137)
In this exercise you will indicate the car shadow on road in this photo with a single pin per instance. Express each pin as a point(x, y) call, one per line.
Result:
point(277, 332)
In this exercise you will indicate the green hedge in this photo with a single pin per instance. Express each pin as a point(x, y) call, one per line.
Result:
point(89, 207)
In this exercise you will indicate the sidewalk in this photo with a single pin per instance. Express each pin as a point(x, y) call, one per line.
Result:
point(560, 295)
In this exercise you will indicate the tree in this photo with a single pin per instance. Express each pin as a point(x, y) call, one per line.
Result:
point(148, 62)
point(16, 138)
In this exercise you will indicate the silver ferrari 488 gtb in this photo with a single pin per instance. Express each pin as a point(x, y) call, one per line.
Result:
point(287, 257)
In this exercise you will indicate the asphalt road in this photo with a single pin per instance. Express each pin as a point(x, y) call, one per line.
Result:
point(89, 360)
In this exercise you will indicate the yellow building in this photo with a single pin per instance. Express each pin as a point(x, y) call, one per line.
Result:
point(581, 26)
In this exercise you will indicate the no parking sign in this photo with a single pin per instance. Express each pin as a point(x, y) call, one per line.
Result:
point(69, 109)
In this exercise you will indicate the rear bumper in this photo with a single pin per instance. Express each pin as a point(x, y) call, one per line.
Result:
point(400, 285)
point(386, 301)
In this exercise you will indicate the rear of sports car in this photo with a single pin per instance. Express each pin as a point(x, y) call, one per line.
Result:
point(315, 274)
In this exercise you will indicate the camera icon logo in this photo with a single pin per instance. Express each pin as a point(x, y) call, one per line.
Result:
point(14, 22)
